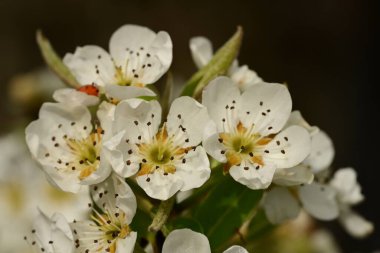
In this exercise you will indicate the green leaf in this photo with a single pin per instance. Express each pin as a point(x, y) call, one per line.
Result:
point(218, 65)
point(225, 209)
point(185, 222)
point(54, 61)
point(140, 223)
point(148, 98)
point(259, 226)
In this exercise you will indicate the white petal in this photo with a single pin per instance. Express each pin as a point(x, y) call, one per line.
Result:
point(141, 41)
point(138, 117)
point(289, 148)
point(160, 186)
point(73, 97)
point(236, 249)
point(201, 51)
point(319, 201)
point(253, 178)
point(214, 148)
point(106, 114)
point(91, 64)
point(267, 106)
point(196, 171)
point(127, 244)
point(181, 196)
point(280, 205)
point(355, 224)
point(297, 119)
point(245, 77)
point(322, 152)
point(118, 93)
point(186, 241)
point(187, 120)
point(347, 187)
point(296, 175)
point(219, 93)
point(62, 236)
point(115, 193)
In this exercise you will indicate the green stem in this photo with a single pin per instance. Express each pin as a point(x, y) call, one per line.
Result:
point(162, 215)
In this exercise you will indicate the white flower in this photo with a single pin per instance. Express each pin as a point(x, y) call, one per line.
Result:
point(138, 56)
point(62, 140)
point(108, 230)
point(188, 241)
point(248, 136)
point(281, 204)
point(166, 159)
point(349, 193)
point(202, 52)
point(51, 235)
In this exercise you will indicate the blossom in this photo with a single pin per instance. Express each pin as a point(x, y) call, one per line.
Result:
point(318, 199)
point(348, 193)
point(188, 241)
point(62, 140)
point(108, 230)
point(202, 52)
point(248, 137)
point(137, 57)
point(51, 235)
point(166, 159)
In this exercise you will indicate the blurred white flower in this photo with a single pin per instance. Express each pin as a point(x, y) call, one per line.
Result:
point(322, 241)
point(202, 52)
point(188, 241)
point(108, 230)
point(23, 187)
point(51, 235)
point(248, 136)
point(348, 194)
point(138, 56)
point(166, 159)
point(62, 140)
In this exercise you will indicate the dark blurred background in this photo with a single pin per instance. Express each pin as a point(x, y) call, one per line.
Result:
point(322, 49)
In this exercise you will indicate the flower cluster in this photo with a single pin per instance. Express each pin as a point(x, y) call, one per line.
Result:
point(112, 129)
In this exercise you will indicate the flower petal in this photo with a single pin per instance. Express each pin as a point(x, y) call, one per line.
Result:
point(160, 186)
point(267, 106)
point(214, 148)
point(73, 97)
point(139, 117)
point(201, 51)
point(118, 93)
point(114, 194)
point(235, 249)
point(297, 119)
point(127, 244)
point(245, 77)
point(355, 224)
point(195, 171)
point(322, 152)
point(132, 46)
point(186, 241)
point(289, 148)
point(347, 187)
point(280, 205)
point(91, 65)
point(319, 201)
point(218, 94)
point(253, 176)
point(187, 120)
point(296, 175)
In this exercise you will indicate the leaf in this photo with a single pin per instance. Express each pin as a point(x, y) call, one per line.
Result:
point(218, 65)
point(148, 98)
point(54, 61)
point(259, 226)
point(185, 222)
point(226, 208)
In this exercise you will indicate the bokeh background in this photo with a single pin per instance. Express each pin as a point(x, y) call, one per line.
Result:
point(321, 49)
